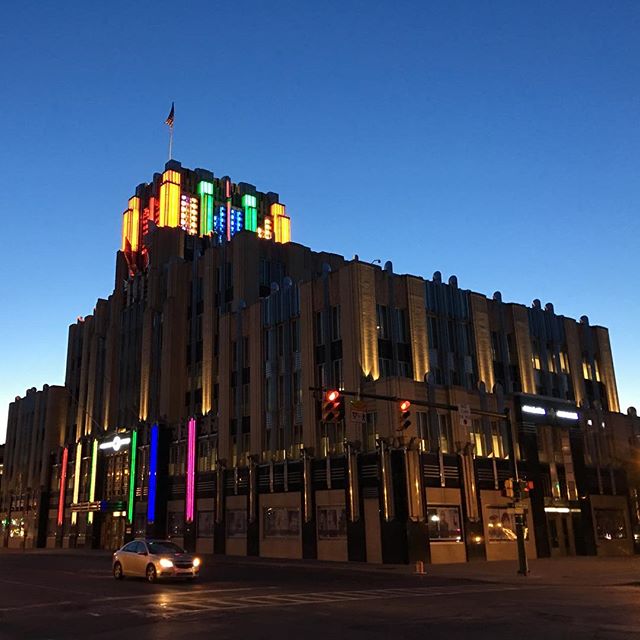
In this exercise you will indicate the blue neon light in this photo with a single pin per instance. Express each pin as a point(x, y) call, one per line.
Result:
point(237, 220)
point(153, 473)
point(220, 220)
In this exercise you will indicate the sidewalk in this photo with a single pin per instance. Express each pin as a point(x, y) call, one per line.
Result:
point(591, 571)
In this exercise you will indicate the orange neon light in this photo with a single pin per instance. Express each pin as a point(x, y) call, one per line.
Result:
point(170, 199)
point(126, 226)
point(134, 224)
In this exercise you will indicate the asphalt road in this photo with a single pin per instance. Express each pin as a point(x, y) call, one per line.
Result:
point(55, 596)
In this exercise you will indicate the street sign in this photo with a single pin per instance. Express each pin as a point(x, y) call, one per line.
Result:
point(464, 411)
point(358, 411)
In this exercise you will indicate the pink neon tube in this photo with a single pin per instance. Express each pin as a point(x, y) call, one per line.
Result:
point(63, 485)
point(191, 471)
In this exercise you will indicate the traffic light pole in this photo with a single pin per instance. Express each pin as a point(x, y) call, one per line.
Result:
point(523, 566)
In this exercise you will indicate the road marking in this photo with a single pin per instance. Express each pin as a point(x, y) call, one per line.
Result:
point(42, 586)
point(164, 610)
point(39, 605)
point(177, 593)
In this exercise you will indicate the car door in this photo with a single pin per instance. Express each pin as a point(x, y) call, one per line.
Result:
point(139, 558)
point(128, 558)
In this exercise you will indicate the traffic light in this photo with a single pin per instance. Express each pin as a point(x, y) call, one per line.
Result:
point(404, 415)
point(332, 406)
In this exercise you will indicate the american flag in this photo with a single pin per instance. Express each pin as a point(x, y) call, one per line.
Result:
point(170, 117)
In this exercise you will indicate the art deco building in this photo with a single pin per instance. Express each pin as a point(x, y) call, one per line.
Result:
point(192, 404)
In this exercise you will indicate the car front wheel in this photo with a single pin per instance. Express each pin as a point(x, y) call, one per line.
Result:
point(151, 573)
point(118, 574)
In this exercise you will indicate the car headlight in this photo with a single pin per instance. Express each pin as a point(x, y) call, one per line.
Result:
point(165, 563)
point(196, 562)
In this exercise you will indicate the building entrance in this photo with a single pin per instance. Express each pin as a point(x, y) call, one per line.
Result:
point(112, 532)
point(560, 530)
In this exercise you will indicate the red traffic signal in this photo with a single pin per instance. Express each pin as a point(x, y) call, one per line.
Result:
point(332, 406)
point(404, 415)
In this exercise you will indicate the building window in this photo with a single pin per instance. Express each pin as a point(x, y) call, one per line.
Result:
point(422, 424)
point(295, 335)
point(332, 522)
point(403, 325)
point(404, 369)
point(338, 379)
point(610, 524)
point(564, 361)
point(432, 330)
point(385, 367)
point(500, 524)
point(535, 354)
point(382, 321)
point(175, 524)
point(205, 524)
point(236, 523)
point(497, 441)
point(477, 437)
point(321, 371)
point(444, 524)
point(446, 435)
point(319, 328)
point(281, 522)
point(335, 323)
point(370, 431)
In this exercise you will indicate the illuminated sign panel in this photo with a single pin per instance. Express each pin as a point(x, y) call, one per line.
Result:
point(170, 199)
point(220, 221)
point(567, 415)
point(116, 443)
point(539, 411)
point(236, 220)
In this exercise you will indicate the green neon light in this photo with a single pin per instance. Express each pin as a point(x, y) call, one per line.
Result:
point(92, 481)
point(132, 476)
point(250, 205)
point(206, 192)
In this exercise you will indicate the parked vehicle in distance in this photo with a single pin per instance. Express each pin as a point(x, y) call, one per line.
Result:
point(154, 560)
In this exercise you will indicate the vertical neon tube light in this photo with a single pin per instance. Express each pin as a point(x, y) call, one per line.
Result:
point(92, 482)
point(153, 474)
point(170, 199)
point(205, 191)
point(76, 480)
point(191, 471)
point(132, 475)
point(134, 228)
point(249, 203)
point(227, 193)
point(63, 484)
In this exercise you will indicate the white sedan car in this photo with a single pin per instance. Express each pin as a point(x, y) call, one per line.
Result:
point(154, 559)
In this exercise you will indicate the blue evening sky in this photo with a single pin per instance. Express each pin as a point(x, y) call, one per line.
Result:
point(498, 141)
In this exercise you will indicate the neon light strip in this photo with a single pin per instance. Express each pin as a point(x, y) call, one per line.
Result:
point(539, 411)
point(153, 471)
point(191, 463)
point(205, 189)
point(567, 415)
point(132, 476)
point(228, 196)
point(63, 484)
point(76, 480)
point(92, 482)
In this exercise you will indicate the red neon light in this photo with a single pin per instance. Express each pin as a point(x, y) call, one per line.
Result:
point(228, 196)
point(63, 485)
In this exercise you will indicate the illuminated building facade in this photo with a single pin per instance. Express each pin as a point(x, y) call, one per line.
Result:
point(190, 410)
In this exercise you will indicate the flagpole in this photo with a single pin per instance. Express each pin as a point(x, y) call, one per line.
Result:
point(170, 142)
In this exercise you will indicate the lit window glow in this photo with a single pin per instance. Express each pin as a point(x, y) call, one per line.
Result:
point(170, 199)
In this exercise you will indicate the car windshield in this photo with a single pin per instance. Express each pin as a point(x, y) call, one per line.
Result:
point(164, 547)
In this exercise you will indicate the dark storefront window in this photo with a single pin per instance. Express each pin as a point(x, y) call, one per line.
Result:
point(444, 524)
point(610, 524)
